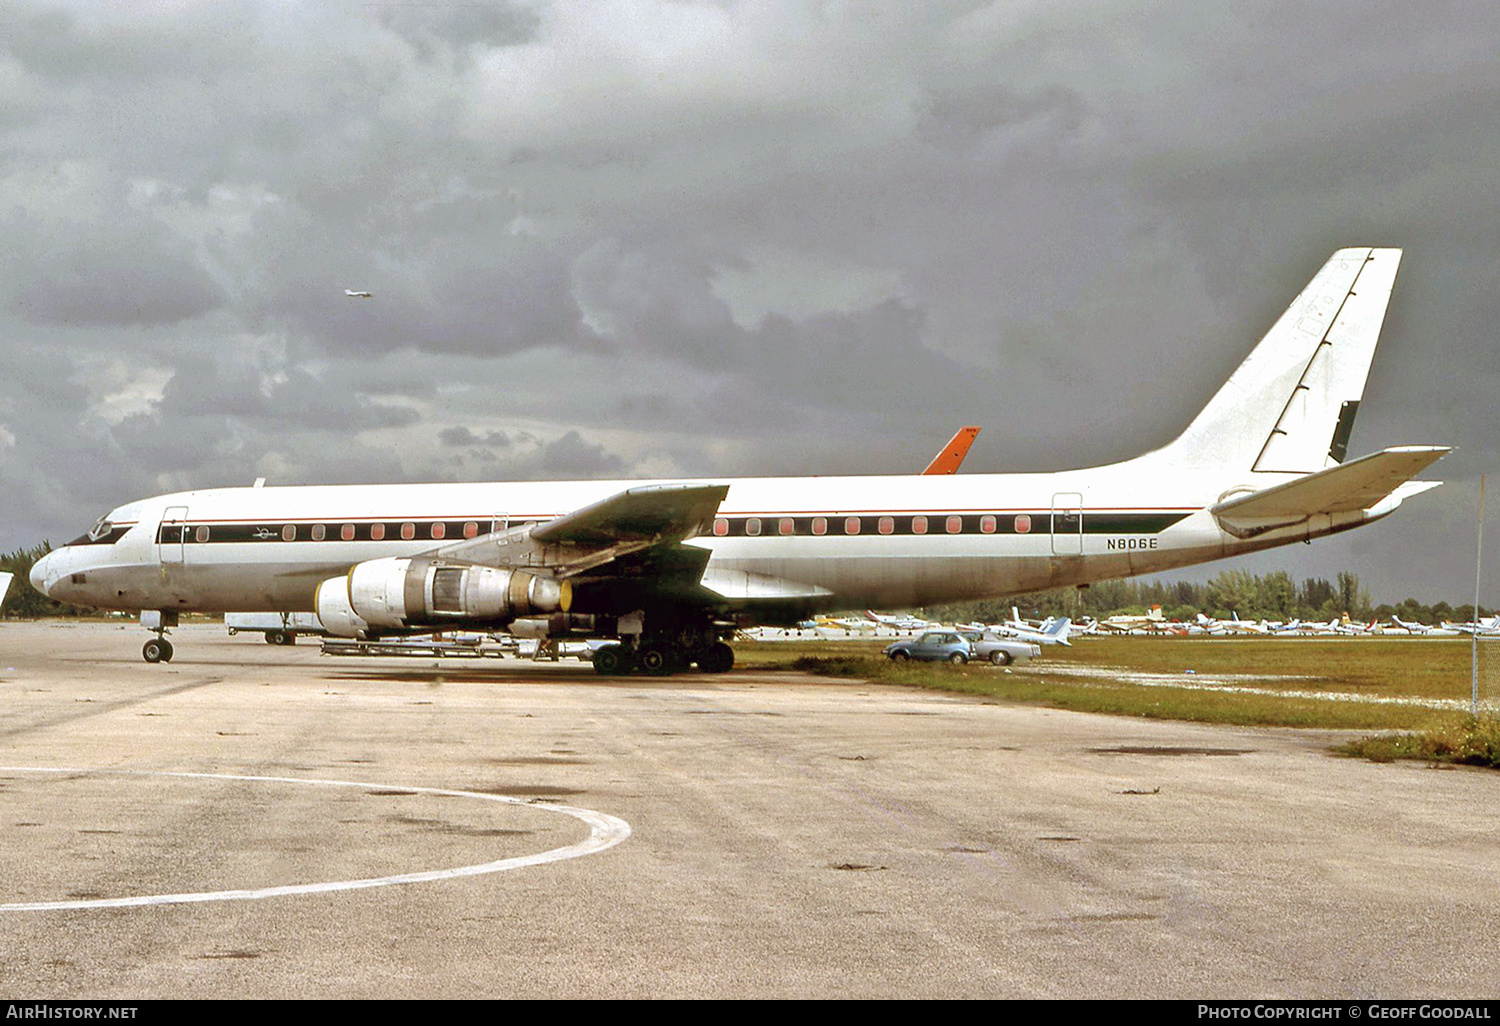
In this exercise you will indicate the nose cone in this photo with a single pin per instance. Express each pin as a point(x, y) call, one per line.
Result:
point(42, 570)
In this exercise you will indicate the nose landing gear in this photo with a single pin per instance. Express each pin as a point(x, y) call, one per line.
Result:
point(158, 649)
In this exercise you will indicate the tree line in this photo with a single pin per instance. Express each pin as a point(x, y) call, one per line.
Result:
point(1274, 596)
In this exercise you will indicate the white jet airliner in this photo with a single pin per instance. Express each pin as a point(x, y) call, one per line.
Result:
point(672, 567)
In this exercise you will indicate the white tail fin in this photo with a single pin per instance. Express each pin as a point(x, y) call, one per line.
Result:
point(1290, 406)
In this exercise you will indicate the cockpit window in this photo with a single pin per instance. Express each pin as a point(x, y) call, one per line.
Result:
point(104, 532)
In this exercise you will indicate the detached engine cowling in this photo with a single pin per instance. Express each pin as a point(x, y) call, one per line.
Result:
point(337, 616)
point(418, 591)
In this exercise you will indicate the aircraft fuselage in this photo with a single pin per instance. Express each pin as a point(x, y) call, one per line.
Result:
point(852, 541)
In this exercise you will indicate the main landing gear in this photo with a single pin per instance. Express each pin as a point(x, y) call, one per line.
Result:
point(661, 652)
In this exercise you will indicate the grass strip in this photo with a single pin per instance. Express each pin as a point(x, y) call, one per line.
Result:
point(1102, 694)
point(1473, 742)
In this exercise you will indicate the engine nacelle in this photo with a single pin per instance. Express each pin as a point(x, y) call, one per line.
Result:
point(337, 616)
point(418, 591)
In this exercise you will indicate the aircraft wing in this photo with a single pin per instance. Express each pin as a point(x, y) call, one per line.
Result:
point(634, 533)
point(1360, 484)
point(660, 514)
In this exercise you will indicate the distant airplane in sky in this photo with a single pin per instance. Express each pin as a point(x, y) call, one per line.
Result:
point(672, 568)
point(356, 295)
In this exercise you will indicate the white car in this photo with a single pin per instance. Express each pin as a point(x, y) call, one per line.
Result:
point(998, 650)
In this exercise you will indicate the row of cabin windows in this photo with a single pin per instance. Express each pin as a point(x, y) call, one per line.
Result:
point(346, 532)
point(753, 526)
point(852, 525)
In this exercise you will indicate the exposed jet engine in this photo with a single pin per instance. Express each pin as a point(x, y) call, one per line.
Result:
point(401, 593)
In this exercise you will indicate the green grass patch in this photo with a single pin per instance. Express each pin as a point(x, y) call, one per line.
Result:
point(1378, 681)
point(1473, 742)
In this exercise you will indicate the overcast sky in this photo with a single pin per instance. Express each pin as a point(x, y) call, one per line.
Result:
point(697, 239)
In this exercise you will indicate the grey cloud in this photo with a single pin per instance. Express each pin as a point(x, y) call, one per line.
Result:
point(462, 437)
point(125, 271)
point(291, 401)
point(1077, 218)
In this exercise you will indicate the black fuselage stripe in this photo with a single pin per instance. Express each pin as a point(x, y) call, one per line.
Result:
point(917, 525)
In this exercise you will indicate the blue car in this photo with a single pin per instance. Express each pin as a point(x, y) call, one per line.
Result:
point(934, 646)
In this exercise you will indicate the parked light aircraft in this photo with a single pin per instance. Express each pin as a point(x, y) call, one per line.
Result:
point(1052, 632)
point(1480, 628)
point(904, 622)
point(672, 567)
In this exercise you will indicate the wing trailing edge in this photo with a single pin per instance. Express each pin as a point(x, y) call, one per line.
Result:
point(1374, 484)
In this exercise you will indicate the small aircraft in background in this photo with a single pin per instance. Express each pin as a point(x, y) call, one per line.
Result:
point(1481, 628)
point(353, 294)
point(1051, 631)
point(900, 622)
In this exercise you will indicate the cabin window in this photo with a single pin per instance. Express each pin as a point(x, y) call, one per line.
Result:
point(752, 526)
point(787, 526)
point(408, 531)
point(721, 527)
point(918, 525)
point(987, 524)
point(439, 529)
point(347, 532)
point(202, 533)
point(1023, 524)
point(886, 525)
point(471, 529)
point(377, 532)
point(851, 525)
point(955, 525)
point(319, 532)
point(289, 532)
point(820, 525)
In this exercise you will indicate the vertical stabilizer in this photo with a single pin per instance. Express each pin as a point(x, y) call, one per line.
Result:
point(1290, 406)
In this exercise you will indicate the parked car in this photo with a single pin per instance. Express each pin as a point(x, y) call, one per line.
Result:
point(998, 650)
point(941, 646)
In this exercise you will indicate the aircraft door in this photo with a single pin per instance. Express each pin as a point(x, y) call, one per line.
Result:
point(1067, 524)
point(171, 535)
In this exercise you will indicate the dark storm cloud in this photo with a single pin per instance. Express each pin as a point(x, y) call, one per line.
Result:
point(291, 402)
point(529, 458)
point(438, 32)
point(713, 239)
point(463, 437)
point(126, 271)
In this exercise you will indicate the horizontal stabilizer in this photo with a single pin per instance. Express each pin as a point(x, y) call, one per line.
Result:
point(1361, 484)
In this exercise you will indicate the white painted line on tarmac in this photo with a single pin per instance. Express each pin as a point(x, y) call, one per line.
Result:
point(605, 832)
